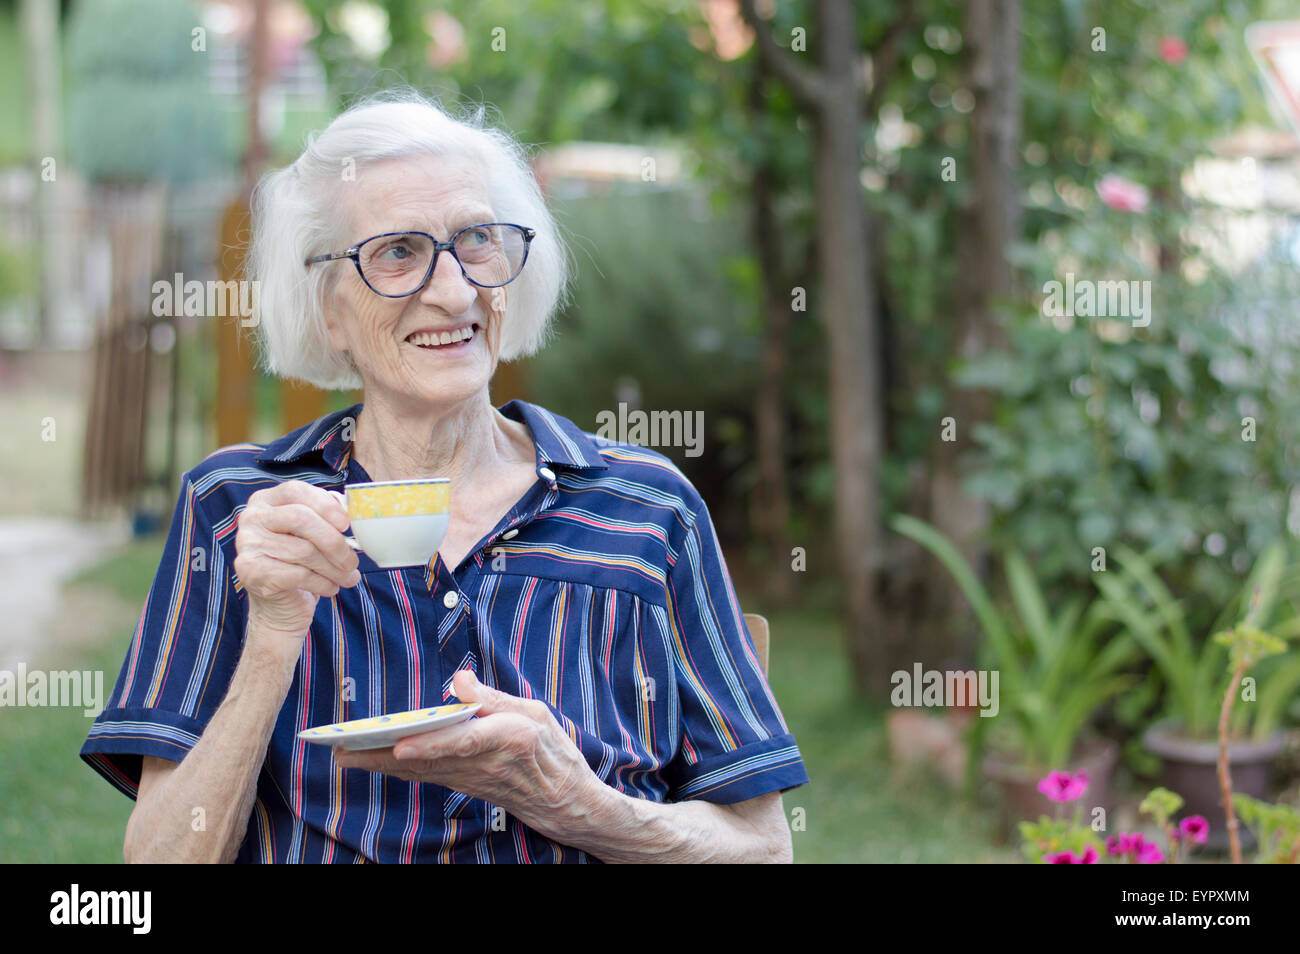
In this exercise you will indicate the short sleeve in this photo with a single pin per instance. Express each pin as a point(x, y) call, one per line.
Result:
point(734, 741)
point(182, 657)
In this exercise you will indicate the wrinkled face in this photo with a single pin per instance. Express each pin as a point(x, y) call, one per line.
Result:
point(392, 340)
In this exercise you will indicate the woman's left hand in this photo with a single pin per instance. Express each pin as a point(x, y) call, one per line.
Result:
point(513, 754)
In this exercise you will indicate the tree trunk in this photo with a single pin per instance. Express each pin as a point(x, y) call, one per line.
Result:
point(830, 95)
point(990, 224)
point(770, 514)
point(849, 312)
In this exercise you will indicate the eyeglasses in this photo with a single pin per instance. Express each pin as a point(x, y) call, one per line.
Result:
point(398, 264)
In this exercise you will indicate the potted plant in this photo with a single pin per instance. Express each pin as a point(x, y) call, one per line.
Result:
point(1247, 644)
point(1184, 736)
point(1276, 829)
point(1055, 671)
point(1062, 841)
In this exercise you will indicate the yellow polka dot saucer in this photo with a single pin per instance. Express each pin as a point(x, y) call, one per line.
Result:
point(380, 732)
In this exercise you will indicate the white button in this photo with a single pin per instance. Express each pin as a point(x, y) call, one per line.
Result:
point(547, 475)
point(510, 534)
point(450, 600)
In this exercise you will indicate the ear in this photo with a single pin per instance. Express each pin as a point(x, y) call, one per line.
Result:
point(335, 332)
point(333, 322)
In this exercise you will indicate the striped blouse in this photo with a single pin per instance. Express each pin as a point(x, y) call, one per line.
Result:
point(602, 592)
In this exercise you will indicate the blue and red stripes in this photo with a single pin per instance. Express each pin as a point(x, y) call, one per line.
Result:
point(609, 600)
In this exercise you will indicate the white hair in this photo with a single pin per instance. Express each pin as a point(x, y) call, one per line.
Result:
point(295, 216)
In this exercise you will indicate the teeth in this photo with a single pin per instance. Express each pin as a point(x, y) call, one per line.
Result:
point(446, 337)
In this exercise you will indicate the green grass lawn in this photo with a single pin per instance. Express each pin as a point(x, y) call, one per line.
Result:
point(854, 811)
point(56, 809)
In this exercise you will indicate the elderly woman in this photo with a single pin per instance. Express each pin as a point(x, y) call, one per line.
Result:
point(579, 596)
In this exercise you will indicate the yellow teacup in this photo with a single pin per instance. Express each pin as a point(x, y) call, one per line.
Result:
point(399, 522)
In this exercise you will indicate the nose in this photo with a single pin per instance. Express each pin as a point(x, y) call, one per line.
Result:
point(447, 288)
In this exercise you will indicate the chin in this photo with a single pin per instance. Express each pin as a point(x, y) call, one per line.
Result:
point(452, 387)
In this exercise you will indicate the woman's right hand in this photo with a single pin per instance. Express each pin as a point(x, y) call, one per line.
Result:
point(290, 551)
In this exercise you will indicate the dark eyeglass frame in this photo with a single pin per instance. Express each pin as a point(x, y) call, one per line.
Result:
point(354, 253)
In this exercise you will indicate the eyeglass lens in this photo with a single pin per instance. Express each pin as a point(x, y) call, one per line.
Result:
point(490, 255)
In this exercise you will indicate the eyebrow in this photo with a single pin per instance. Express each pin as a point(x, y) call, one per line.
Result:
point(477, 216)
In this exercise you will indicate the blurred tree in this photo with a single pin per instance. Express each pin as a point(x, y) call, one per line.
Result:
point(139, 109)
point(987, 223)
point(921, 316)
point(829, 94)
point(139, 118)
point(1110, 433)
point(40, 20)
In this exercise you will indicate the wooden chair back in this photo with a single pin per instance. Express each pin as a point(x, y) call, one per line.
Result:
point(758, 631)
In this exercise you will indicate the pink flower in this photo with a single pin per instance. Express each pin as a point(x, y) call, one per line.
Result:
point(1088, 857)
point(1196, 828)
point(1135, 847)
point(1120, 844)
point(1122, 195)
point(1148, 852)
point(1064, 787)
point(1172, 50)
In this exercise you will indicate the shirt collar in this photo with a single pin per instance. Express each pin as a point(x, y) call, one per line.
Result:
point(558, 441)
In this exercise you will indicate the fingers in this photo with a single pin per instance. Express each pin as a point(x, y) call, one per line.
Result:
point(328, 503)
point(279, 577)
point(297, 524)
point(307, 539)
point(469, 689)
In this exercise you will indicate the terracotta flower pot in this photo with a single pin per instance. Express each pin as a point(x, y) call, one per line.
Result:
point(1191, 769)
point(1018, 786)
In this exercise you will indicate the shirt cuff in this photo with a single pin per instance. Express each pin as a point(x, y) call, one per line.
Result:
point(121, 737)
point(772, 765)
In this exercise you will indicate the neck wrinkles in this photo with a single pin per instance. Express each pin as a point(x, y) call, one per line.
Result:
point(470, 442)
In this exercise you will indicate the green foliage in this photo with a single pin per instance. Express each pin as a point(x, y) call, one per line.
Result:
point(1049, 836)
point(1055, 671)
point(657, 317)
point(139, 108)
point(1276, 829)
point(15, 124)
point(1162, 805)
point(1193, 672)
point(1107, 433)
point(556, 70)
point(1248, 645)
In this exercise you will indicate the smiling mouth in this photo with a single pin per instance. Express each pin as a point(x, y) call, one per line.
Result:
point(444, 341)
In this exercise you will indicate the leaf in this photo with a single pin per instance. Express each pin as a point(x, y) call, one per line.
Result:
point(1281, 686)
point(1144, 630)
point(1074, 711)
point(1031, 607)
point(990, 620)
point(1170, 609)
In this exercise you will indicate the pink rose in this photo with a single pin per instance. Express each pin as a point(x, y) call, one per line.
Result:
point(1122, 195)
point(1172, 50)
